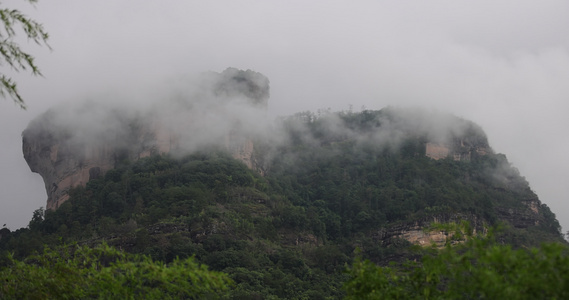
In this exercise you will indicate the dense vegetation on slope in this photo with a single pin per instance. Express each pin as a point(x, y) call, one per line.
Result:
point(476, 268)
point(366, 182)
point(337, 181)
point(104, 272)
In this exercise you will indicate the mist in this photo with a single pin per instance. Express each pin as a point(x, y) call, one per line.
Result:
point(502, 65)
point(177, 118)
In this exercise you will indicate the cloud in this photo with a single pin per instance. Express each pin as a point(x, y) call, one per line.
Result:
point(503, 65)
point(181, 117)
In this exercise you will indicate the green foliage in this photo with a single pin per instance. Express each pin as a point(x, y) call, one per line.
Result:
point(355, 183)
point(477, 269)
point(37, 219)
point(288, 234)
point(103, 272)
point(10, 52)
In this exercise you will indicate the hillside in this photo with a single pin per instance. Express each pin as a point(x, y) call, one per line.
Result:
point(322, 185)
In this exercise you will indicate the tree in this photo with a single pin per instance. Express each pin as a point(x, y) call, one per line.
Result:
point(37, 219)
point(103, 272)
point(10, 52)
point(479, 268)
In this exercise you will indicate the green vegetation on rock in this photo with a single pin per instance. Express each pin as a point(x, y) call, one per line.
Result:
point(480, 268)
point(340, 182)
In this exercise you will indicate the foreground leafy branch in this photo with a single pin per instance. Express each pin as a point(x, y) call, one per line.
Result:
point(11, 54)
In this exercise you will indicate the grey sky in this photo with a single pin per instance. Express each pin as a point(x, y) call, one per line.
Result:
point(502, 64)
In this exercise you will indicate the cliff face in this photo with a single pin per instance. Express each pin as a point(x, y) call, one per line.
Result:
point(62, 167)
point(460, 148)
point(68, 146)
point(417, 232)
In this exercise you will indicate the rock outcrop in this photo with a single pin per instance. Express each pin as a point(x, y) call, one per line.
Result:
point(68, 146)
point(418, 232)
point(459, 149)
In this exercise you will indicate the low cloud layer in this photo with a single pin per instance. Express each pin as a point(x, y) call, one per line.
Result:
point(179, 118)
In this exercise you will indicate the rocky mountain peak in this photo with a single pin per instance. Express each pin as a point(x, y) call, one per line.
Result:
point(70, 145)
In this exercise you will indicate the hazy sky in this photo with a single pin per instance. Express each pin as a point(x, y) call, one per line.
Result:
point(501, 64)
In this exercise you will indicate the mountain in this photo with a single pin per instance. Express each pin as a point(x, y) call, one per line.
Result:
point(280, 206)
point(68, 146)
